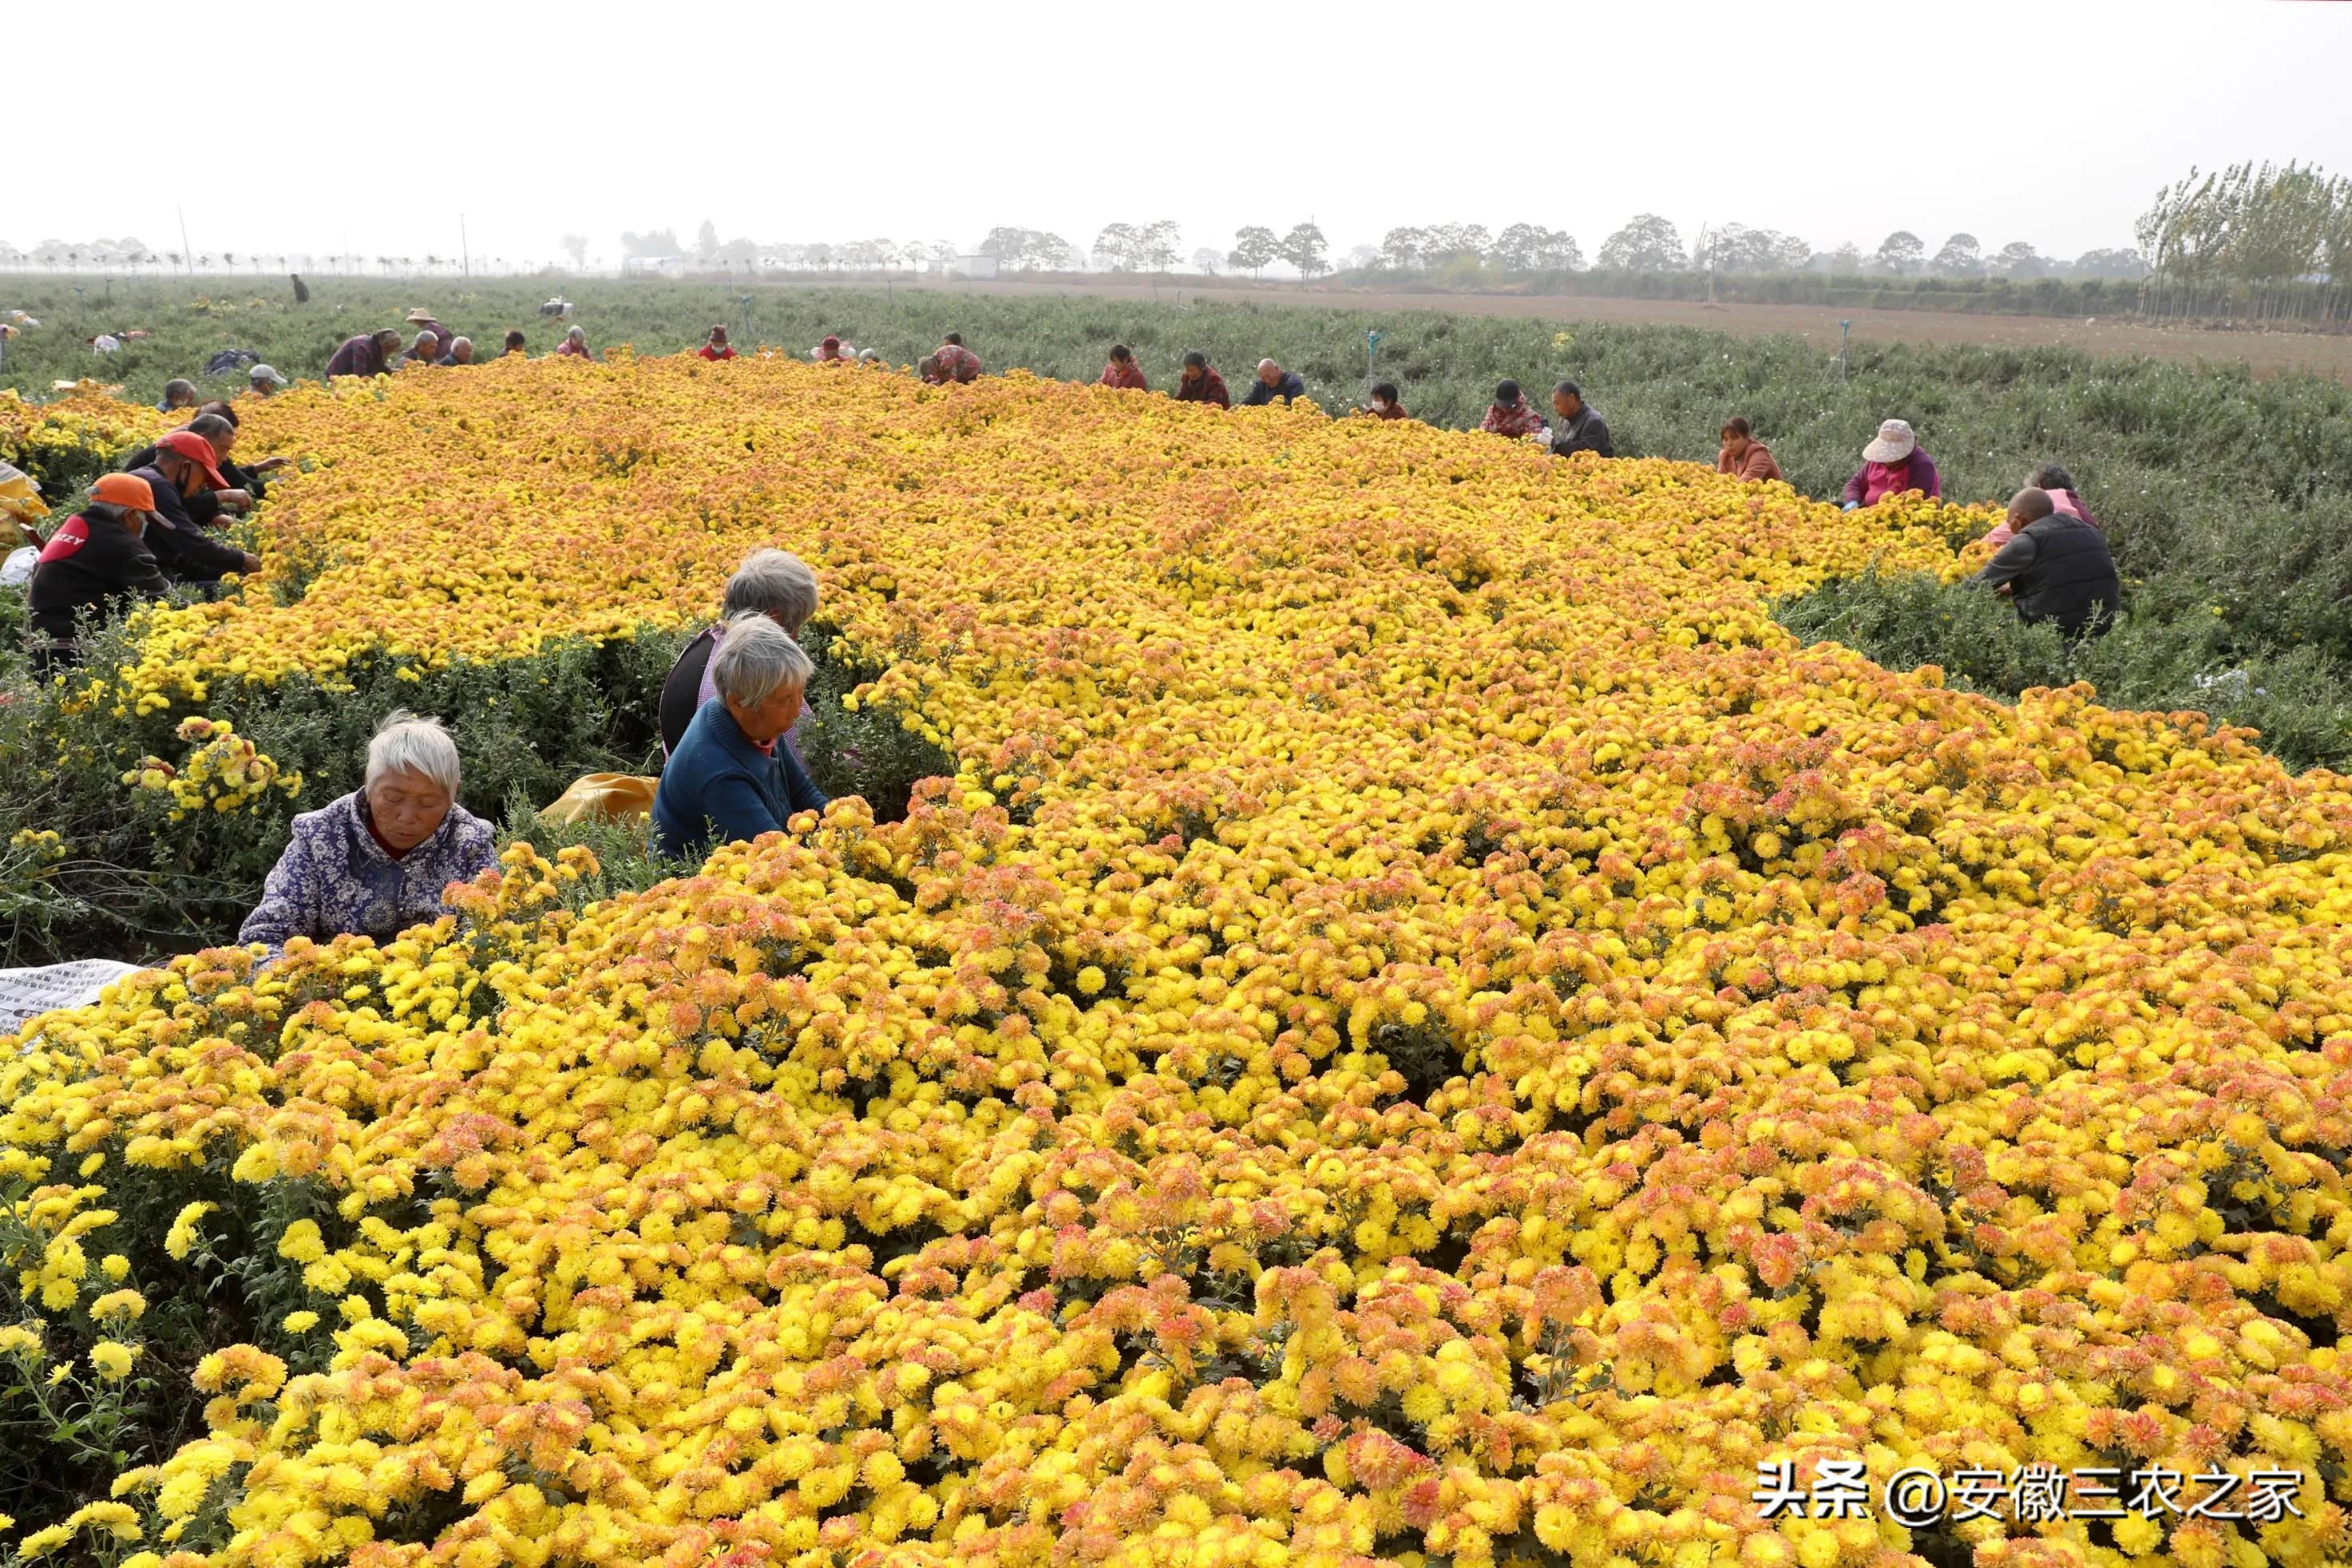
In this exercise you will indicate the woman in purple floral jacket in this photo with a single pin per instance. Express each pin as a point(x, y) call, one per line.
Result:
point(375, 861)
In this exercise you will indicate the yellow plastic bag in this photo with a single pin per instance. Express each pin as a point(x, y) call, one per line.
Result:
point(605, 797)
point(20, 495)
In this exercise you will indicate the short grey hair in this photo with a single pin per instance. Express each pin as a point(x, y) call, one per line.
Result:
point(457, 343)
point(756, 660)
point(405, 744)
point(771, 582)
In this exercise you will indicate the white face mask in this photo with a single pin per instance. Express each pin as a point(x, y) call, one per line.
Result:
point(1379, 405)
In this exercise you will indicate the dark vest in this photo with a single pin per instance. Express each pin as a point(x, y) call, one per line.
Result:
point(2072, 575)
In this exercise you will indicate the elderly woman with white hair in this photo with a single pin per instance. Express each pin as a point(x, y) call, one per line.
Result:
point(731, 778)
point(375, 861)
point(770, 583)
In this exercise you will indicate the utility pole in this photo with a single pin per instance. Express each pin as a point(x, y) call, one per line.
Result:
point(186, 248)
point(465, 255)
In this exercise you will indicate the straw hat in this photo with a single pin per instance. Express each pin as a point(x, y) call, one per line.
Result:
point(420, 316)
point(1894, 443)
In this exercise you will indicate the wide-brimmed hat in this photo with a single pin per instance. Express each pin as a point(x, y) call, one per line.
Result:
point(422, 316)
point(1894, 443)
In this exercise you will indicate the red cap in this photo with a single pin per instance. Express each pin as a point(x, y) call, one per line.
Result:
point(197, 451)
point(124, 490)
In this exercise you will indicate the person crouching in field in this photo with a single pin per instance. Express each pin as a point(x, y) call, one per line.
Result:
point(1123, 371)
point(2059, 486)
point(1580, 428)
point(1743, 455)
point(717, 347)
point(732, 778)
point(1511, 414)
point(2056, 567)
point(1273, 381)
point(370, 353)
point(1384, 404)
point(1891, 466)
point(833, 351)
point(185, 466)
point(1200, 383)
point(374, 862)
point(575, 344)
point(956, 362)
point(517, 344)
point(770, 583)
point(94, 564)
point(461, 351)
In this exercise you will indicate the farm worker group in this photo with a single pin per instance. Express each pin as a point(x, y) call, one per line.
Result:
point(375, 861)
point(1582, 429)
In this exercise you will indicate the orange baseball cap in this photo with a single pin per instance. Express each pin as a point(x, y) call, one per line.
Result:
point(124, 490)
point(197, 451)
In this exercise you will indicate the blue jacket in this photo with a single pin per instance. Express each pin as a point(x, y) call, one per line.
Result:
point(720, 788)
point(1288, 387)
point(335, 878)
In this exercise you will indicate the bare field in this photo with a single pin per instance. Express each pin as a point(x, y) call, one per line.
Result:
point(2266, 353)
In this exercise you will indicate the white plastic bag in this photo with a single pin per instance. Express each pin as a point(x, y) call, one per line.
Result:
point(18, 570)
point(27, 994)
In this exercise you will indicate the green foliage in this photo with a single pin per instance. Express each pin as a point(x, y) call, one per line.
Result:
point(80, 1425)
point(625, 858)
point(2296, 696)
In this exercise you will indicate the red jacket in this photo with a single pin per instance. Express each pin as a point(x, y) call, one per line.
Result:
point(1521, 419)
point(1209, 388)
point(1128, 376)
point(706, 352)
point(957, 363)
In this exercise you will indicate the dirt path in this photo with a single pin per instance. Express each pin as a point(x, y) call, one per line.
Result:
point(2266, 353)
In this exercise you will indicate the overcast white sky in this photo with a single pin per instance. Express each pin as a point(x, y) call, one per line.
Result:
point(2050, 121)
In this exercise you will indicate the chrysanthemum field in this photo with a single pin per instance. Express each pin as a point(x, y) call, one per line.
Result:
point(1427, 1029)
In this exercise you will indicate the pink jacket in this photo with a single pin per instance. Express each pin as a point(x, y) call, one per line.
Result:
point(1878, 480)
point(2065, 501)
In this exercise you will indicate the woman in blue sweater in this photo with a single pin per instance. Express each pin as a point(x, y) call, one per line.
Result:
point(730, 779)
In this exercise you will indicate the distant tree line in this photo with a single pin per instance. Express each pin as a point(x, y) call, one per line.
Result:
point(2257, 240)
point(129, 254)
point(1653, 244)
point(2262, 240)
